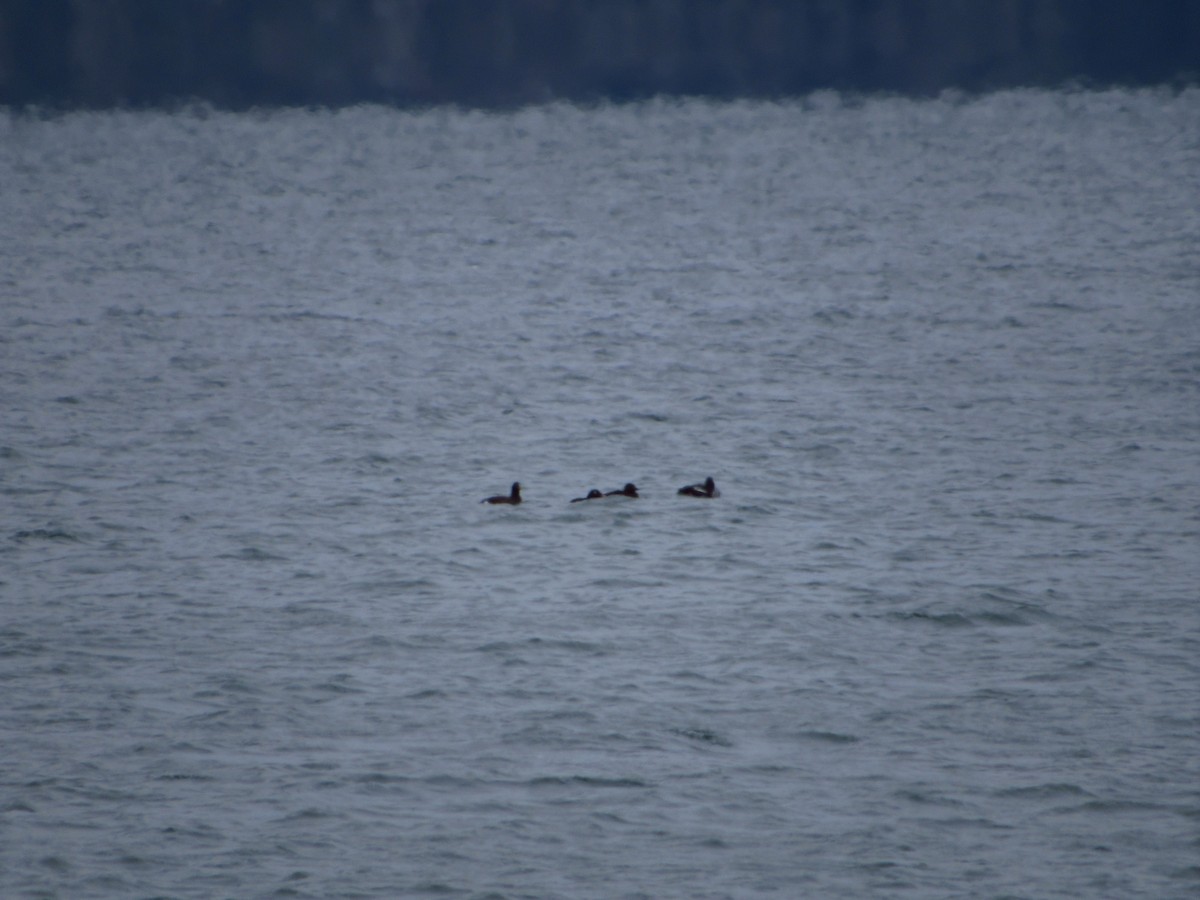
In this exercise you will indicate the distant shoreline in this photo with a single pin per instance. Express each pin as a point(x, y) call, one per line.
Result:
point(504, 53)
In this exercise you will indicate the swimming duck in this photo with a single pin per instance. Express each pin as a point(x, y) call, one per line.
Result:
point(593, 494)
point(630, 490)
point(708, 489)
point(514, 498)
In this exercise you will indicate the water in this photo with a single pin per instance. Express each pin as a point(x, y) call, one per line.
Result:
point(938, 638)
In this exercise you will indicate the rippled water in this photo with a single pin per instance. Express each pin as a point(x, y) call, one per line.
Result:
point(939, 637)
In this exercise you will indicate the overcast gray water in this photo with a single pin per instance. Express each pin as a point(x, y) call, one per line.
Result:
point(939, 637)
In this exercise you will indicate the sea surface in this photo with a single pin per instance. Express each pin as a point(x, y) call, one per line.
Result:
point(939, 637)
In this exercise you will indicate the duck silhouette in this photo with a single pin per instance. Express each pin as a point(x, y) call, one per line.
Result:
point(513, 498)
point(707, 490)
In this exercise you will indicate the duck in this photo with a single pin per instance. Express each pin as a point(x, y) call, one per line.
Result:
point(593, 494)
point(707, 490)
point(513, 498)
point(630, 490)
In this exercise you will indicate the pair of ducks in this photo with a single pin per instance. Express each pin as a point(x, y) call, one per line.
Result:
point(706, 490)
point(630, 490)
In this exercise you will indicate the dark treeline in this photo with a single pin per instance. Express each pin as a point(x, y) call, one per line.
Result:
point(239, 53)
